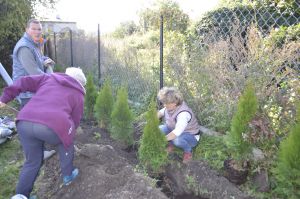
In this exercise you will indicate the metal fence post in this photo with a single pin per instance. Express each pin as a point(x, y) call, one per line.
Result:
point(99, 50)
point(161, 80)
point(54, 38)
point(71, 47)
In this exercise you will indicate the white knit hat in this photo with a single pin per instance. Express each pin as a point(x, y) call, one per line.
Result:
point(77, 74)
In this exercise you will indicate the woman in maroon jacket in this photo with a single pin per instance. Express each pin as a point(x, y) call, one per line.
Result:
point(51, 116)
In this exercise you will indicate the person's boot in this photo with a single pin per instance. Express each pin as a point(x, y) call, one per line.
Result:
point(187, 156)
point(68, 179)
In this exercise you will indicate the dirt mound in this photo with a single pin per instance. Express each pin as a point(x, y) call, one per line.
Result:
point(107, 171)
point(103, 174)
point(200, 180)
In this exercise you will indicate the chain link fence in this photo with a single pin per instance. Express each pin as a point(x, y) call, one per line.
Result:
point(233, 46)
point(211, 63)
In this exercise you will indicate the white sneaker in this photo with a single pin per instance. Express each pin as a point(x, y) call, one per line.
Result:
point(19, 196)
point(48, 154)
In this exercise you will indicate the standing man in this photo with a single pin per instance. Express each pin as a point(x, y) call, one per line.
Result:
point(28, 58)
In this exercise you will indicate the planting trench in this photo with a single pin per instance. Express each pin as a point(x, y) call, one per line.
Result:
point(107, 170)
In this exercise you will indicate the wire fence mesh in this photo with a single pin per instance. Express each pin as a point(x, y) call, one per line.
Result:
point(210, 64)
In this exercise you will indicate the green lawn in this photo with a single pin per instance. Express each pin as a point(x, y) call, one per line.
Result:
point(11, 159)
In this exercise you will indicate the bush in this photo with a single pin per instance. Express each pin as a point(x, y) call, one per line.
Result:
point(104, 105)
point(213, 150)
point(223, 19)
point(152, 151)
point(287, 170)
point(90, 97)
point(122, 119)
point(236, 138)
point(13, 17)
point(283, 35)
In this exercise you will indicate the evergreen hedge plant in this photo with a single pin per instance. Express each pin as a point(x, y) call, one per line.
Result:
point(287, 169)
point(236, 139)
point(104, 105)
point(90, 97)
point(122, 119)
point(152, 151)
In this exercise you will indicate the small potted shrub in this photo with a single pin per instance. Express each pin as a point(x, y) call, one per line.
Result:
point(236, 167)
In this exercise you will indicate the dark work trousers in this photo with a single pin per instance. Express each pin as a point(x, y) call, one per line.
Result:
point(32, 137)
point(24, 101)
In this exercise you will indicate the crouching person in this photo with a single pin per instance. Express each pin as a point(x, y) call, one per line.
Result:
point(51, 116)
point(180, 124)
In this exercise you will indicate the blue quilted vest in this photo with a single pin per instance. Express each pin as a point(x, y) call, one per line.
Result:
point(18, 69)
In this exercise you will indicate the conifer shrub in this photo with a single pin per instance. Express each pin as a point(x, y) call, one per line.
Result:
point(90, 97)
point(287, 170)
point(152, 151)
point(104, 105)
point(236, 139)
point(122, 119)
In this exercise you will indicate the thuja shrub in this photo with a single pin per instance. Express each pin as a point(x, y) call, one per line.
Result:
point(287, 169)
point(122, 119)
point(104, 105)
point(152, 151)
point(236, 139)
point(90, 97)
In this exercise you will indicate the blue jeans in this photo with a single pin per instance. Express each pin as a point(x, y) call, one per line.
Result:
point(185, 140)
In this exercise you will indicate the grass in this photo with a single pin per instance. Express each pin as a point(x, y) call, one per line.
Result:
point(11, 160)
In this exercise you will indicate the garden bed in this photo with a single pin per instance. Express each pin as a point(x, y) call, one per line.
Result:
point(109, 170)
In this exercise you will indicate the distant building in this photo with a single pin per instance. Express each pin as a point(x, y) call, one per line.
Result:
point(58, 26)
